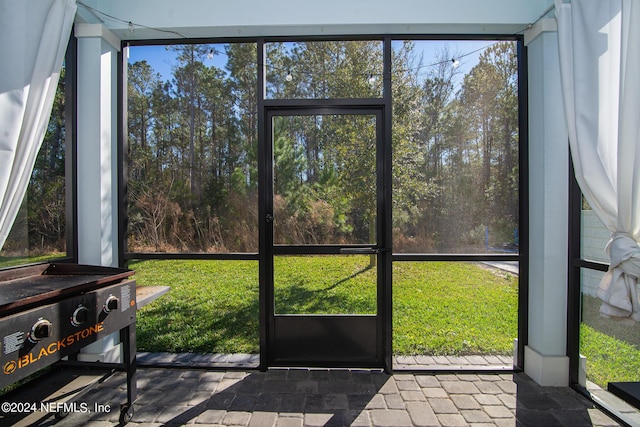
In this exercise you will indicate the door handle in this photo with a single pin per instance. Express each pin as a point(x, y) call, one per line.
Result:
point(359, 251)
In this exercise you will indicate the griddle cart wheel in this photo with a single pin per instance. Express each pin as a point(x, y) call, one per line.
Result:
point(60, 415)
point(126, 413)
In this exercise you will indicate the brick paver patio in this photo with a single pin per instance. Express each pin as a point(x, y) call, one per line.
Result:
point(309, 397)
point(190, 392)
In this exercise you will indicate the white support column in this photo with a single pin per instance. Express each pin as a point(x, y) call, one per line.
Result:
point(545, 357)
point(97, 145)
point(97, 161)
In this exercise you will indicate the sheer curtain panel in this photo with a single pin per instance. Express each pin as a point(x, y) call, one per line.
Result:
point(34, 36)
point(599, 47)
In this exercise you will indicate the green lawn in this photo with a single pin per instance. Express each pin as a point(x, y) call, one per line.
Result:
point(608, 359)
point(324, 285)
point(453, 308)
point(212, 306)
point(13, 261)
point(612, 349)
point(438, 308)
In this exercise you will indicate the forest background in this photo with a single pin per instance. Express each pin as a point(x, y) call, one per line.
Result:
point(192, 151)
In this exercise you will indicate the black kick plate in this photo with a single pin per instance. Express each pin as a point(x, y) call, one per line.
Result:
point(627, 391)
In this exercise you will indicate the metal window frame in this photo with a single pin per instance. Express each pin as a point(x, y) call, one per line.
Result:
point(121, 150)
point(574, 293)
point(574, 288)
point(71, 147)
point(386, 100)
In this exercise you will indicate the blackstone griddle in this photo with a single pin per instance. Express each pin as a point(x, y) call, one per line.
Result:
point(52, 311)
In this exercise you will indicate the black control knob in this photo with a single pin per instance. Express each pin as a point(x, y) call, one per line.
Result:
point(80, 315)
point(40, 330)
point(111, 304)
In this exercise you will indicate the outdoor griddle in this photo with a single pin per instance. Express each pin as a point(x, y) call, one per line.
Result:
point(51, 311)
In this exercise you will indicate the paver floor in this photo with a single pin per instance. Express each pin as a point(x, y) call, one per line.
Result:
point(308, 397)
point(400, 363)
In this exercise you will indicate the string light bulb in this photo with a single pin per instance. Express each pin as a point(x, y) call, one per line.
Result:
point(372, 79)
point(289, 77)
point(210, 54)
point(455, 63)
point(132, 28)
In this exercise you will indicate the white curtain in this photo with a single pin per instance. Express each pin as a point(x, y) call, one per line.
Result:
point(33, 40)
point(599, 48)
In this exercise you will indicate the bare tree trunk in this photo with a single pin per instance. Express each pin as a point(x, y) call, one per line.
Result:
point(192, 125)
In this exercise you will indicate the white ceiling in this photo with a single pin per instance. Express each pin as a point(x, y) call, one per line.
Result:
point(171, 19)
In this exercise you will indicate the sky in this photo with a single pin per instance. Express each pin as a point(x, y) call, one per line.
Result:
point(163, 60)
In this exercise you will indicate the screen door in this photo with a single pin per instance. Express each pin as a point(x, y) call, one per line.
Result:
point(324, 237)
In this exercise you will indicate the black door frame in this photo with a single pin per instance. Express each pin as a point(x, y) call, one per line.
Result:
point(376, 328)
point(384, 102)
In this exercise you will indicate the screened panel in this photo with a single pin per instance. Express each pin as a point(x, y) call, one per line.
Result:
point(324, 179)
point(325, 284)
point(593, 236)
point(323, 69)
point(466, 312)
point(611, 349)
point(192, 148)
point(211, 308)
point(455, 147)
point(39, 232)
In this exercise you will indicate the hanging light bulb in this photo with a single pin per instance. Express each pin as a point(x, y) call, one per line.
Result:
point(132, 28)
point(289, 77)
point(210, 54)
point(372, 79)
point(455, 63)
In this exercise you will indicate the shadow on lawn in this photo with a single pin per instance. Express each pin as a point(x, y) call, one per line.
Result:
point(346, 279)
point(298, 299)
point(235, 329)
point(228, 330)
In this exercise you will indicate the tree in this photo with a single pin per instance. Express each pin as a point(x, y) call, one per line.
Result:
point(46, 190)
point(489, 96)
point(193, 141)
point(141, 83)
point(188, 85)
point(243, 83)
